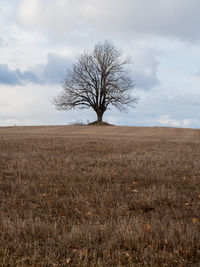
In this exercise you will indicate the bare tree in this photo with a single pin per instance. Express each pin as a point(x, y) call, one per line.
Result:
point(98, 80)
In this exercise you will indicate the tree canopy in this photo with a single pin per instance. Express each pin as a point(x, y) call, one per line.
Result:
point(98, 80)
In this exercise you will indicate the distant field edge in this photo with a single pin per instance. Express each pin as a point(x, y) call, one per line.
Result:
point(103, 130)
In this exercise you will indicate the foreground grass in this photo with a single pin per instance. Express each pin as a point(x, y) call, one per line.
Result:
point(99, 202)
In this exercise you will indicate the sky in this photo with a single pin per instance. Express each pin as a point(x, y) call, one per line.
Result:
point(41, 39)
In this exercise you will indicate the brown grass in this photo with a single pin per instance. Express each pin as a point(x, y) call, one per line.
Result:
point(99, 196)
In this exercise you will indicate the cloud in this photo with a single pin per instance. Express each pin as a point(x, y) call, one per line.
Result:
point(167, 120)
point(40, 39)
point(144, 66)
point(63, 18)
point(15, 77)
point(162, 108)
point(7, 41)
point(31, 105)
point(52, 72)
point(1, 41)
point(144, 71)
point(29, 11)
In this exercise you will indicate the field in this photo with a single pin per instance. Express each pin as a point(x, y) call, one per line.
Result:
point(99, 196)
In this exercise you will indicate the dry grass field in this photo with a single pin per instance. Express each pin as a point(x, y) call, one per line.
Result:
point(99, 196)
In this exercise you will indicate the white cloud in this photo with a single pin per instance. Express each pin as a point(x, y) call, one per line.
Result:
point(30, 12)
point(29, 104)
point(167, 120)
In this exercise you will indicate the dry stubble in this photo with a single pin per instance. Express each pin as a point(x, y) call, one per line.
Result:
point(100, 200)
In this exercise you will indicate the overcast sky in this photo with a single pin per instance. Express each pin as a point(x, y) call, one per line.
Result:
point(41, 39)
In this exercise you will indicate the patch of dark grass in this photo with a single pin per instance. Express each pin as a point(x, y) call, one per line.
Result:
point(97, 123)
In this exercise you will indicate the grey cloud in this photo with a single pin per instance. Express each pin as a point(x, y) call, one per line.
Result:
point(196, 74)
point(177, 19)
point(27, 76)
point(144, 73)
point(144, 66)
point(53, 72)
point(145, 80)
point(61, 19)
point(8, 76)
point(55, 69)
point(1, 41)
point(15, 77)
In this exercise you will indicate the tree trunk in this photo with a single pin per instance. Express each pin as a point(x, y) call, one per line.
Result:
point(99, 116)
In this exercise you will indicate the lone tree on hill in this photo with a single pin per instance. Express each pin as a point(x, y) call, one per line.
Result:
point(98, 80)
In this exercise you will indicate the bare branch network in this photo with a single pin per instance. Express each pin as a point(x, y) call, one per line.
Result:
point(96, 81)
